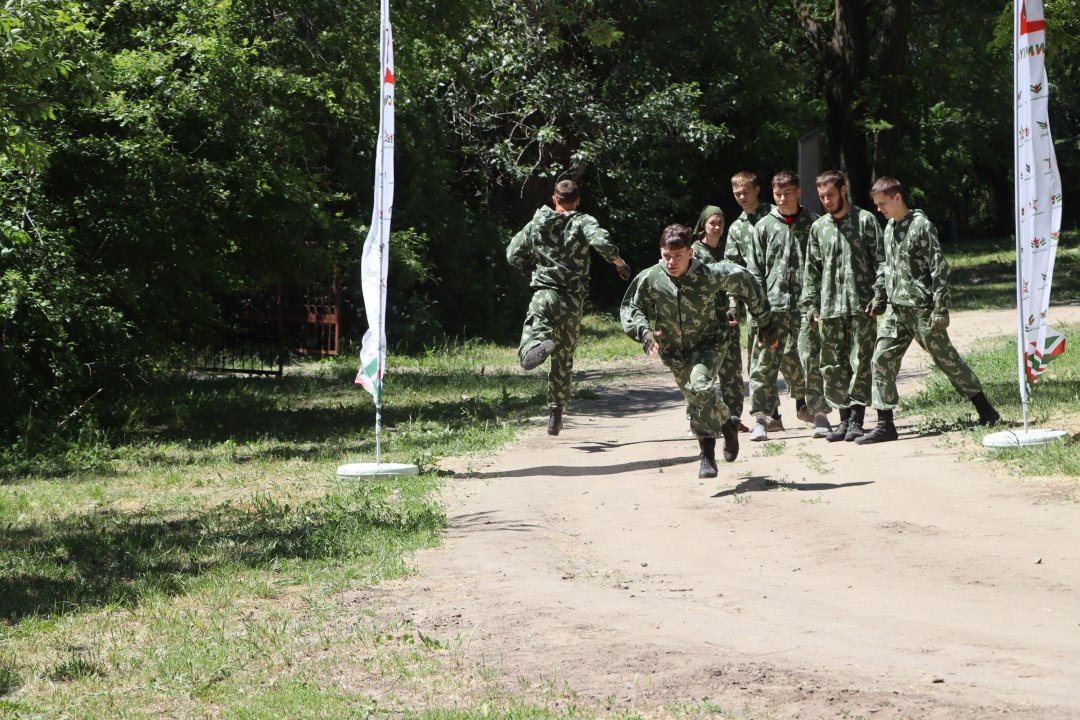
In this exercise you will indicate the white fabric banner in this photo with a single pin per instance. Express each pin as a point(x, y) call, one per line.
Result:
point(376, 258)
point(1038, 194)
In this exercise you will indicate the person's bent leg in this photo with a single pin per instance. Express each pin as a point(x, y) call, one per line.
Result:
point(538, 332)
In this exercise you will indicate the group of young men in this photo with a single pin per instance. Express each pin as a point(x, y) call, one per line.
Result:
point(813, 286)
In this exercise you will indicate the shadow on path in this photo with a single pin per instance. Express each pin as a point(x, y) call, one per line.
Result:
point(571, 471)
point(764, 483)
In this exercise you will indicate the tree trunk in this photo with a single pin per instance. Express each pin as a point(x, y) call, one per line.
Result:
point(894, 33)
point(843, 54)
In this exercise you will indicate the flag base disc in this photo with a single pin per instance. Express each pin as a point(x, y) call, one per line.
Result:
point(1022, 438)
point(376, 470)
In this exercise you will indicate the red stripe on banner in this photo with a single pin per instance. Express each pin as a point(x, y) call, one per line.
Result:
point(1030, 26)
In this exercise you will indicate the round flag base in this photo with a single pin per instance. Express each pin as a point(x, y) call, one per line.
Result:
point(1022, 438)
point(374, 470)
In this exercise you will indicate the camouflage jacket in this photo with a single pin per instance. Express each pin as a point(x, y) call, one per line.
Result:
point(740, 236)
point(914, 273)
point(777, 256)
point(555, 246)
point(707, 255)
point(842, 261)
point(683, 309)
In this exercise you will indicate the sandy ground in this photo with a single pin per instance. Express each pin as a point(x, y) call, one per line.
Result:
point(809, 580)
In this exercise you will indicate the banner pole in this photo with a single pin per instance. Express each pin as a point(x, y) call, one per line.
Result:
point(1028, 174)
point(374, 266)
point(1018, 243)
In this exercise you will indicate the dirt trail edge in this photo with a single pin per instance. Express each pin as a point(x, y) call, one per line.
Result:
point(811, 579)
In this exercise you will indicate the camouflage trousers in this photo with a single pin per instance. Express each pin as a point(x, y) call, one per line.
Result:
point(695, 375)
point(554, 315)
point(847, 349)
point(729, 376)
point(767, 364)
point(810, 359)
point(899, 326)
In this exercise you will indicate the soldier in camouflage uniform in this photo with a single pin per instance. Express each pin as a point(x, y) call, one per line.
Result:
point(776, 262)
point(843, 255)
point(915, 280)
point(670, 308)
point(554, 245)
point(708, 248)
point(740, 242)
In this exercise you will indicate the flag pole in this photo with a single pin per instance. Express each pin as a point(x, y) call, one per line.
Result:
point(374, 264)
point(1029, 84)
point(1021, 357)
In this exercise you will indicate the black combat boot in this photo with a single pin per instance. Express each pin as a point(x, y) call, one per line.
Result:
point(841, 430)
point(555, 421)
point(987, 414)
point(855, 424)
point(708, 458)
point(884, 431)
point(731, 439)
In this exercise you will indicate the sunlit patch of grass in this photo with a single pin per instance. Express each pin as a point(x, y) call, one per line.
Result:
point(1052, 404)
point(983, 273)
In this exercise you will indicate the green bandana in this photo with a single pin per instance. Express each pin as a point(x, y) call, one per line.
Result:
point(708, 212)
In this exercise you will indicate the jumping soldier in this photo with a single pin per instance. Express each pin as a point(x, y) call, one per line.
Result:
point(554, 245)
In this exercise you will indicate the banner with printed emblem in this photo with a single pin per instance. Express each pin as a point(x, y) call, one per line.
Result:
point(1038, 196)
point(375, 262)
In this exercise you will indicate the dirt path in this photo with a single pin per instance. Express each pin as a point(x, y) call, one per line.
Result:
point(809, 580)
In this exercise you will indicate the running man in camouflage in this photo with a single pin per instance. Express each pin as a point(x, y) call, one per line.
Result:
point(843, 256)
point(709, 248)
point(555, 245)
point(670, 308)
point(776, 261)
point(915, 280)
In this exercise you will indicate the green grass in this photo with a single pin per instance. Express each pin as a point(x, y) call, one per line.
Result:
point(184, 556)
point(192, 554)
point(983, 273)
point(1053, 404)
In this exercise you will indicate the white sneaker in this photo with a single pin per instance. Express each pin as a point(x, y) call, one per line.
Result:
point(822, 428)
point(758, 432)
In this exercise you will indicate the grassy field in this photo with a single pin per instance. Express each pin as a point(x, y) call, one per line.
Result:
point(192, 562)
point(983, 273)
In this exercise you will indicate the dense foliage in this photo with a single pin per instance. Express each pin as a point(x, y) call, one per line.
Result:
point(159, 155)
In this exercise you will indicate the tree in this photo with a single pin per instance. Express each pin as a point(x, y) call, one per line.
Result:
point(853, 113)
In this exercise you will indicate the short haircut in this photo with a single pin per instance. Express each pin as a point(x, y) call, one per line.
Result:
point(785, 178)
point(676, 237)
point(831, 177)
point(745, 177)
point(886, 185)
point(567, 190)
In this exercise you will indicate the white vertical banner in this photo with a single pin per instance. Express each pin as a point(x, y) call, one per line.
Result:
point(376, 258)
point(1038, 197)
